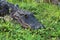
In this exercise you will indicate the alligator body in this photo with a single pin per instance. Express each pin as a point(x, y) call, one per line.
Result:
point(25, 18)
point(4, 9)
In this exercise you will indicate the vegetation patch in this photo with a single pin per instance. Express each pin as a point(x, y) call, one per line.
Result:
point(47, 14)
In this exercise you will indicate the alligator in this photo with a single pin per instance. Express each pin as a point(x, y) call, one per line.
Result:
point(25, 18)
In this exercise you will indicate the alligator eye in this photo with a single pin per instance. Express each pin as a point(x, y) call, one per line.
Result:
point(26, 16)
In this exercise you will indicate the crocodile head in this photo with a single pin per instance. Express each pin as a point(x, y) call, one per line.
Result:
point(27, 19)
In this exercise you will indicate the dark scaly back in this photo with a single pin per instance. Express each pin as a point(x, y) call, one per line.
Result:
point(4, 9)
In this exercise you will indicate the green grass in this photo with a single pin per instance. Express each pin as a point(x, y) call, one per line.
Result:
point(47, 14)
